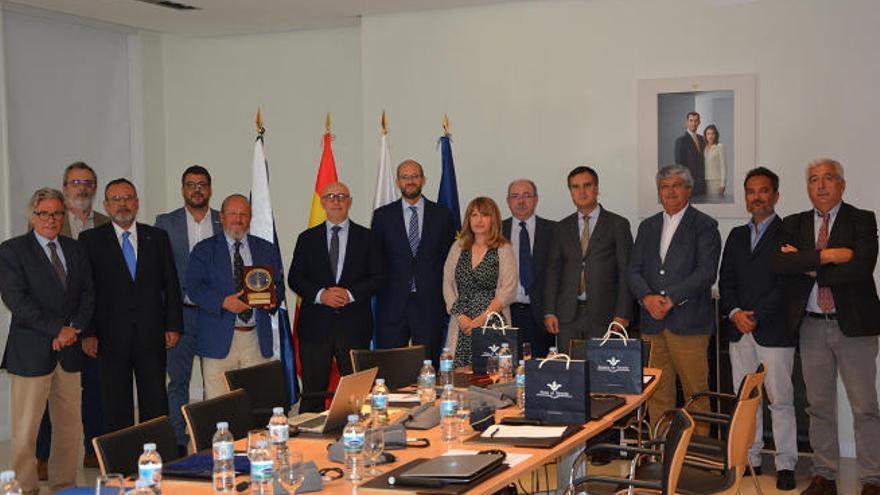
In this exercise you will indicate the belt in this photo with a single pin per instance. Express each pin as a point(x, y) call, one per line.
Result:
point(244, 329)
point(187, 305)
point(822, 316)
point(520, 305)
point(582, 303)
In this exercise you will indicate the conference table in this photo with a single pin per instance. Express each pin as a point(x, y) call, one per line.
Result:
point(315, 449)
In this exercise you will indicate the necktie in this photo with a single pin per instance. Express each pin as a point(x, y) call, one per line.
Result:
point(697, 142)
point(238, 269)
point(128, 254)
point(824, 296)
point(56, 263)
point(413, 237)
point(525, 259)
point(334, 251)
point(585, 242)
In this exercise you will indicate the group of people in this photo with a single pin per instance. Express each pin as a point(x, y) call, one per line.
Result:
point(130, 300)
point(704, 155)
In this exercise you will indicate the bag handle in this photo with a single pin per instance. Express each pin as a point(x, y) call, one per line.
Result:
point(553, 358)
point(622, 333)
point(494, 315)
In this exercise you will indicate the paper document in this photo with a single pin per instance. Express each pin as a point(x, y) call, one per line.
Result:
point(523, 431)
point(403, 398)
point(511, 459)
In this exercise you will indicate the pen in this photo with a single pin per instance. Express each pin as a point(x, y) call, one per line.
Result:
point(494, 432)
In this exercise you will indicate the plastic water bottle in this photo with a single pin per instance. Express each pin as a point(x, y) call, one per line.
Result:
point(353, 441)
point(279, 433)
point(521, 385)
point(224, 460)
point(505, 363)
point(446, 359)
point(427, 381)
point(552, 353)
point(448, 414)
point(150, 467)
point(8, 485)
point(379, 403)
point(141, 487)
point(262, 473)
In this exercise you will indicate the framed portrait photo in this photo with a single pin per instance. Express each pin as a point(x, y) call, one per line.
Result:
point(705, 123)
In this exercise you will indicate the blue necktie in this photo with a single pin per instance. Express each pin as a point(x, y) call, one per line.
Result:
point(525, 259)
point(413, 237)
point(128, 254)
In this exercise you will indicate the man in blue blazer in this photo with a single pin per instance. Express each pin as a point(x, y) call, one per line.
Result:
point(412, 237)
point(754, 307)
point(186, 227)
point(229, 333)
point(673, 265)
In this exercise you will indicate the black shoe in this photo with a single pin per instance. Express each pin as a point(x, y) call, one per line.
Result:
point(785, 480)
point(601, 458)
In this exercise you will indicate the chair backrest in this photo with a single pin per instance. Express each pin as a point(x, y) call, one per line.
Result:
point(751, 381)
point(118, 451)
point(202, 417)
point(674, 449)
point(399, 367)
point(577, 348)
point(741, 434)
point(265, 387)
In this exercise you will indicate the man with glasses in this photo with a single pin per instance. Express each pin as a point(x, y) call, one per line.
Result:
point(412, 238)
point(186, 227)
point(137, 309)
point(46, 283)
point(335, 274)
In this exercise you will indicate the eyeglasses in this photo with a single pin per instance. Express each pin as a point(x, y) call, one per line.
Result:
point(192, 186)
point(518, 196)
point(45, 215)
point(81, 182)
point(409, 177)
point(331, 197)
point(122, 199)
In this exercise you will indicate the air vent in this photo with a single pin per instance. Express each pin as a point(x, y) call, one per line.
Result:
point(170, 5)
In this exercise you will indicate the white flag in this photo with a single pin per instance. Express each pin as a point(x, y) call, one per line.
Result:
point(386, 192)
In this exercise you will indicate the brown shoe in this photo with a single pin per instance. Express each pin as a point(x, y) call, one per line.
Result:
point(821, 486)
point(90, 461)
point(871, 489)
point(43, 469)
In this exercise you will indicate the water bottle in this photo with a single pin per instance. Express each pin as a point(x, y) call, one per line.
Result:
point(279, 433)
point(505, 363)
point(552, 353)
point(8, 485)
point(521, 385)
point(427, 381)
point(141, 487)
point(379, 403)
point(150, 467)
point(261, 469)
point(224, 460)
point(353, 445)
point(446, 359)
point(448, 414)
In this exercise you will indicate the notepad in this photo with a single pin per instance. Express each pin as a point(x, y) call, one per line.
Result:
point(523, 431)
point(403, 398)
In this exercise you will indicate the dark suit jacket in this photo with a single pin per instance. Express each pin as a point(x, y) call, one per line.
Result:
point(399, 266)
point(175, 224)
point(747, 281)
point(605, 263)
point(209, 280)
point(310, 272)
point(852, 284)
point(540, 250)
point(687, 154)
point(40, 305)
point(99, 220)
point(685, 276)
point(133, 314)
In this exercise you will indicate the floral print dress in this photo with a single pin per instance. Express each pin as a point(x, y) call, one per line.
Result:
point(476, 289)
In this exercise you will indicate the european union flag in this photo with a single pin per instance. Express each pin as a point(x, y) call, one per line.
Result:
point(448, 195)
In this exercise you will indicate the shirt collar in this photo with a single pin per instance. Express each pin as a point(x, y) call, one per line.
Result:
point(190, 216)
point(131, 229)
point(43, 241)
point(832, 211)
point(761, 227)
point(343, 225)
point(231, 242)
point(677, 216)
point(530, 222)
point(419, 204)
point(593, 214)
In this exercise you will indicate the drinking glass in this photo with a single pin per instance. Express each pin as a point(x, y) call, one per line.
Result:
point(492, 368)
point(109, 484)
point(374, 444)
point(464, 415)
point(292, 475)
point(255, 436)
point(526, 351)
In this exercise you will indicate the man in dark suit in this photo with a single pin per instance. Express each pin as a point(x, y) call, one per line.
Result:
point(412, 237)
point(828, 255)
point(46, 283)
point(334, 273)
point(137, 309)
point(186, 227)
point(673, 266)
point(689, 152)
point(530, 236)
point(230, 334)
point(753, 302)
point(586, 270)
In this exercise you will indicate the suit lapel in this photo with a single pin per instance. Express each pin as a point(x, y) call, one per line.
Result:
point(116, 249)
point(324, 249)
point(144, 245)
point(399, 223)
point(683, 226)
point(598, 232)
point(224, 261)
point(45, 263)
point(348, 252)
point(840, 223)
point(808, 232)
point(215, 221)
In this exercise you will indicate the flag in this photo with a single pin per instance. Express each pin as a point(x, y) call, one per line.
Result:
point(386, 192)
point(263, 226)
point(448, 194)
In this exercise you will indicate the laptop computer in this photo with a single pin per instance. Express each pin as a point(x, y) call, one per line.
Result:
point(454, 468)
point(353, 385)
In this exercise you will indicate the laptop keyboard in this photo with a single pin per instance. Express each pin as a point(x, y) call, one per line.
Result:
point(308, 420)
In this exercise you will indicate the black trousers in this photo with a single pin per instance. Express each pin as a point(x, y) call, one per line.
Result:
point(117, 366)
point(317, 347)
point(426, 330)
point(532, 331)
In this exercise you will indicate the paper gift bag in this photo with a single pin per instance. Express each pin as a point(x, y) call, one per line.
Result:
point(486, 341)
point(557, 390)
point(615, 363)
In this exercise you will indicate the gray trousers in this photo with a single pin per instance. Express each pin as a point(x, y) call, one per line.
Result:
point(745, 356)
point(574, 329)
point(825, 351)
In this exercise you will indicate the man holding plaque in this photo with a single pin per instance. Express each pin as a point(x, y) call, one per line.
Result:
point(232, 278)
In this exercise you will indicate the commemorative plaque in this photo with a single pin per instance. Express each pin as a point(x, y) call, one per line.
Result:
point(259, 286)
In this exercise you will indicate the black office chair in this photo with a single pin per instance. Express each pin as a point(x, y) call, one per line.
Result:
point(118, 451)
point(399, 367)
point(577, 349)
point(265, 387)
point(202, 417)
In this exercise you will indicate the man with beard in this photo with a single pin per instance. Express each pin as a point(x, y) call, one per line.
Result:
point(137, 309)
point(186, 227)
point(412, 238)
point(753, 300)
point(230, 334)
point(80, 184)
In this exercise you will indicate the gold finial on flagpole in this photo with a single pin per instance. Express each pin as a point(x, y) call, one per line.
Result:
point(445, 124)
point(260, 129)
point(384, 123)
point(328, 123)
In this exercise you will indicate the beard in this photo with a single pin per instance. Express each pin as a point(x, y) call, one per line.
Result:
point(412, 193)
point(122, 217)
point(196, 200)
point(80, 202)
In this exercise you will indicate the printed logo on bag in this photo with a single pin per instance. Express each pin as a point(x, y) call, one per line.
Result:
point(554, 392)
point(493, 350)
point(612, 366)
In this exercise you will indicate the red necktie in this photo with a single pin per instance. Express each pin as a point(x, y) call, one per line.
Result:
point(824, 297)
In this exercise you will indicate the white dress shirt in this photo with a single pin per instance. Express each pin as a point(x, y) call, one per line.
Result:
point(670, 225)
point(198, 231)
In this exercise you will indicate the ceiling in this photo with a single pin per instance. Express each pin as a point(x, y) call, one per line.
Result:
point(227, 17)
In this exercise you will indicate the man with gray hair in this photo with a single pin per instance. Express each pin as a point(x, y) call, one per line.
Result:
point(828, 254)
point(672, 268)
point(46, 282)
